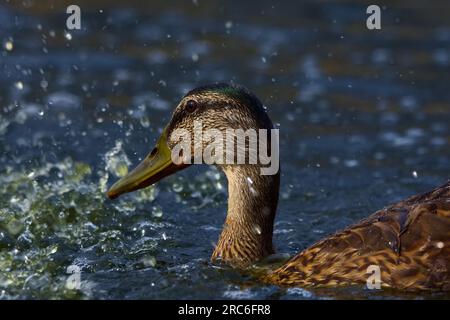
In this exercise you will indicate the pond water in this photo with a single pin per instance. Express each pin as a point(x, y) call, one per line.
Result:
point(363, 117)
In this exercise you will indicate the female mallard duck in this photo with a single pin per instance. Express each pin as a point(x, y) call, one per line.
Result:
point(409, 242)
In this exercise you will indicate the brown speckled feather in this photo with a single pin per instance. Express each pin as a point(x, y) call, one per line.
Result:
point(409, 241)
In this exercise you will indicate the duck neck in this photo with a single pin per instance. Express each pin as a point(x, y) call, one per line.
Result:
point(252, 201)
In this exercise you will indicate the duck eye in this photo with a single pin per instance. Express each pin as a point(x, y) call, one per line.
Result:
point(191, 105)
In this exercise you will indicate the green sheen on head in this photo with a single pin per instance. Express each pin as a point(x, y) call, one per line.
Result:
point(233, 91)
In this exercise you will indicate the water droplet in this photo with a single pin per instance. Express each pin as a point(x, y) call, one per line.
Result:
point(44, 84)
point(122, 169)
point(257, 229)
point(177, 187)
point(351, 163)
point(253, 191)
point(9, 45)
point(157, 212)
point(149, 261)
point(116, 160)
point(19, 85)
point(14, 226)
point(145, 122)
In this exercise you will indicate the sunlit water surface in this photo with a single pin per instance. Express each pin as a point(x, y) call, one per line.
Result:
point(363, 116)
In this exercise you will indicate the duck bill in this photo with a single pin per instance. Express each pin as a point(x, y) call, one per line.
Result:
point(157, 165)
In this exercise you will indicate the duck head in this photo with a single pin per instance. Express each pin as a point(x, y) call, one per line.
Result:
point(219, 111)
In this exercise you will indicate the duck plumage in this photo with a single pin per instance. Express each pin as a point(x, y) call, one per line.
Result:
point(408, 241)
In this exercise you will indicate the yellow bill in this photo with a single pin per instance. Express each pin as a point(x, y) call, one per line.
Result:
point(157, 165)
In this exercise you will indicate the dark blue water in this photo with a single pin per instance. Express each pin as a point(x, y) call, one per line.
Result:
point(363, 117)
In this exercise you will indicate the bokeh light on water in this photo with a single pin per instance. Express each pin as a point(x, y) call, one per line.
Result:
point(363, 117)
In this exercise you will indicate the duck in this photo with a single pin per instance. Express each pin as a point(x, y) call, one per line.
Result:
point(405, 246)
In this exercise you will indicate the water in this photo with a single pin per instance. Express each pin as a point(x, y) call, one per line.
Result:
point(363, 118)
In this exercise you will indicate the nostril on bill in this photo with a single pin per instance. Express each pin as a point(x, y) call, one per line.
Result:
point(153, 153)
